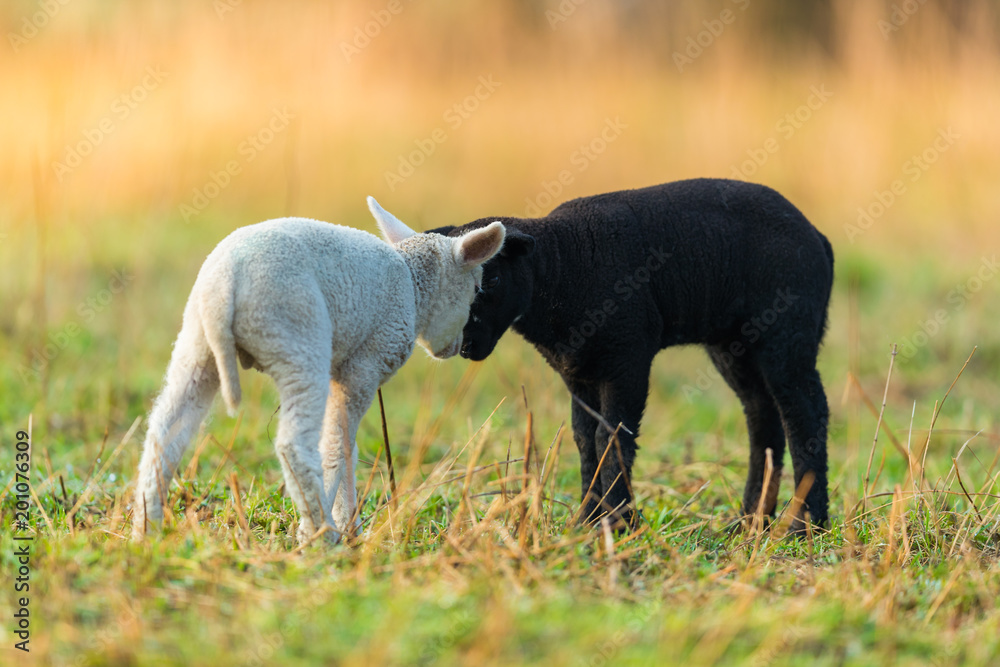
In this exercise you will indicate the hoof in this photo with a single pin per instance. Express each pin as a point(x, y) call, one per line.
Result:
point(307, 535)
point(621, 521)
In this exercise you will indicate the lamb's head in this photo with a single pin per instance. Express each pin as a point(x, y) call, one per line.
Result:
point(447, 275)
point(507, 287)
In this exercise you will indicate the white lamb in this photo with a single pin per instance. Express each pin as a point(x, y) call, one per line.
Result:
point(330, 313)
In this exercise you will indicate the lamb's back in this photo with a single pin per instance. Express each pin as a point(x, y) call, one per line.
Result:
point(294, 267)
point(730, 247)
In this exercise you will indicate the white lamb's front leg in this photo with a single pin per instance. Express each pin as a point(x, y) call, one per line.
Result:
point(345, 504)
point(354, 390)
point(339, 461)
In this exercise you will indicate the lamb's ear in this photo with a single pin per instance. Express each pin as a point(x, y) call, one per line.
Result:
point(517, 244)
point(391, 227)
point(479, 245)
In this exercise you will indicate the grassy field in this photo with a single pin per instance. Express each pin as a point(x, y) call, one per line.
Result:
point(214, 116)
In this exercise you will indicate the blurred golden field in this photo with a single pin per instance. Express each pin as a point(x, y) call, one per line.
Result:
point(353, 114)
point(80, 92)
point(136, 135)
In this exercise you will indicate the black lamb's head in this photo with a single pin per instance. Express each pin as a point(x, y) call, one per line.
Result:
point(505, 291)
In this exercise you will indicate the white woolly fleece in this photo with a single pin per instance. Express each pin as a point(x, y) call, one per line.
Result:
point(330, 313)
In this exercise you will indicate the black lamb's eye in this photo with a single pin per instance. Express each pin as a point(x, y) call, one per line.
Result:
point(492, 282)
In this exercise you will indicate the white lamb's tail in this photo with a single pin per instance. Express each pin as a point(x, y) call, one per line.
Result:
point(216, 310)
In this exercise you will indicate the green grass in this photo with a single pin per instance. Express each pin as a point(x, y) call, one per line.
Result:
point(463, 571)
point(466, 569)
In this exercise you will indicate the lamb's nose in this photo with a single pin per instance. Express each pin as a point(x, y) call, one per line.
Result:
point(466, 350)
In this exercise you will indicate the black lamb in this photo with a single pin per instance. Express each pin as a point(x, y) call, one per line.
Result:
point(603, 283)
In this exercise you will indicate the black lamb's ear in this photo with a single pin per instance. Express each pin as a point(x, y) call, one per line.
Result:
point(517, 244)
point(443, 231)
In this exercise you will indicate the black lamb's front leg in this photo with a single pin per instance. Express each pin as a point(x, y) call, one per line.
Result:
point(584, 429)
point(622, 402)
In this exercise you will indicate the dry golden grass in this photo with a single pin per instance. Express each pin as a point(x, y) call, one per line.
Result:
point(475, 562)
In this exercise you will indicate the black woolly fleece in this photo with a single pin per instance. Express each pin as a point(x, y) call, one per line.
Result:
point(603, 283)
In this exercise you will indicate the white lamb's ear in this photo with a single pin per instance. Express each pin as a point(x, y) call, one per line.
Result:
point(479, 246)
point(391, 227)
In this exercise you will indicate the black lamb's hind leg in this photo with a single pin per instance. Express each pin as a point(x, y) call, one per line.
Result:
point(764, 426)
point(622, 402)
point(584, 428)
point(796, 387)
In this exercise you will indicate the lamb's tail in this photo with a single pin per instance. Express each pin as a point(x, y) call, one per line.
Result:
point(217, 308)
point(829, 255)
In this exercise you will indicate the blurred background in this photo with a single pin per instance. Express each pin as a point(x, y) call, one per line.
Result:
point(136, 135)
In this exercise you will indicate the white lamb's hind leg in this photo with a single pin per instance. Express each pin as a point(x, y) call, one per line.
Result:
point(192, 382)
point(303, 403)
point(358, 385)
